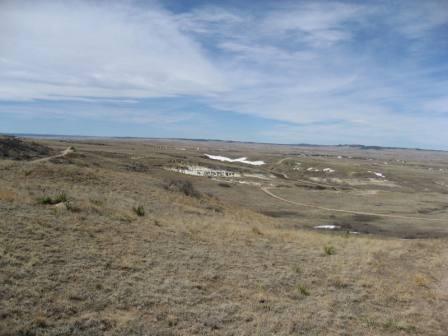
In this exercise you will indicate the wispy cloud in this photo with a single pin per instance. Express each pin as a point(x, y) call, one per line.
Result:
point(98, 49)
point(374, 67)
point(416, 19)
point(319, 24)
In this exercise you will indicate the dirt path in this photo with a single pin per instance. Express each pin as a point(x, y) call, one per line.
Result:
point(266, 190)
point(65, 152)
point(282, 160)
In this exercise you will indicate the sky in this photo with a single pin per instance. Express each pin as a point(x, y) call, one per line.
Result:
point(321, 72)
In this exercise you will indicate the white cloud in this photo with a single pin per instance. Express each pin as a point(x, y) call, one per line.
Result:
point(98, 49)
point(316, 23)
point(415, 19)
point(122, 112)
point(207, 20)
point(439, 105)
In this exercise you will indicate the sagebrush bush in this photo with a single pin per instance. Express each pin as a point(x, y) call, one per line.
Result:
point(303, 290)
point(183, 186)
point(329, 250)
point(45, 200)
point(224, 185)
point(139, 210)
point(71, 207)
point(59, 198)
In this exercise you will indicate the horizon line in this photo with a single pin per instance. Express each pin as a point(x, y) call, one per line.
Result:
point(74, 136)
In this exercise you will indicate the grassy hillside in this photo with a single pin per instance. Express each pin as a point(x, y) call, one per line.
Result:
point(103, 241)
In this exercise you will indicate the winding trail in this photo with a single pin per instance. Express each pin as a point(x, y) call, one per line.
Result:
point(283, 160)
point(65, 152)
point(267, 191)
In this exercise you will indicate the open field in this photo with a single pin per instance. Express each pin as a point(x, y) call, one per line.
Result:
point(152, 237)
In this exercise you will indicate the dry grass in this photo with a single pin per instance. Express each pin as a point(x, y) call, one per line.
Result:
point(185, 268)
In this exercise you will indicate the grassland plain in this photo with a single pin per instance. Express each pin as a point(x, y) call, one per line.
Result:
point(217, 255)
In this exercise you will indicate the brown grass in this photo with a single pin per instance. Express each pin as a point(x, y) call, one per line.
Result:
point(185, 268)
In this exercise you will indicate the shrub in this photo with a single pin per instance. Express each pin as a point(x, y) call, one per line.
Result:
point(45, 200)
point(40, 321)
point(60, 198)
point(329, 250)
point(139, 210)
point(71, 207)
point(183, 186)
point(297, 269)
point(224, 185)
point(257, 231)
point(303, 290)
point(215, 208)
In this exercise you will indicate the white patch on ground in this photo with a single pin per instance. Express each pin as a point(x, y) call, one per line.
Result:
point(327, 227)
point(259, 176)
point(328, 170)
point(365, 192)
point(204, 171)
point(61, 206)
point(332, 227)
point(441, 183)
point(377, 174)
point(241, 160)
point(221, 173)
point(353, 182)
point(312, 169)
point(297, 167)
point(257, 184)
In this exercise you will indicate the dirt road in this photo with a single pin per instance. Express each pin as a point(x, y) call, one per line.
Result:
point(267, 191)
point(65, 152)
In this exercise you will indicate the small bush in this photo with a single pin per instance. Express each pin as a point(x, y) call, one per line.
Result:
point(224, 185)
point(297, 269)
point(40, 321)
point(183, 186)
point(329, 250)
point(338, 282)
point(421, 280)
point(60, 198)
point(139, 210)
point(257, 231)
point(71, 207)
point(96, 202)
point(303, 290)
point(45, 200)
point(215, 208)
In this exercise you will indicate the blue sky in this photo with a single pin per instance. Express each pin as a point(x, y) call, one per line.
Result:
point(324, 72)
